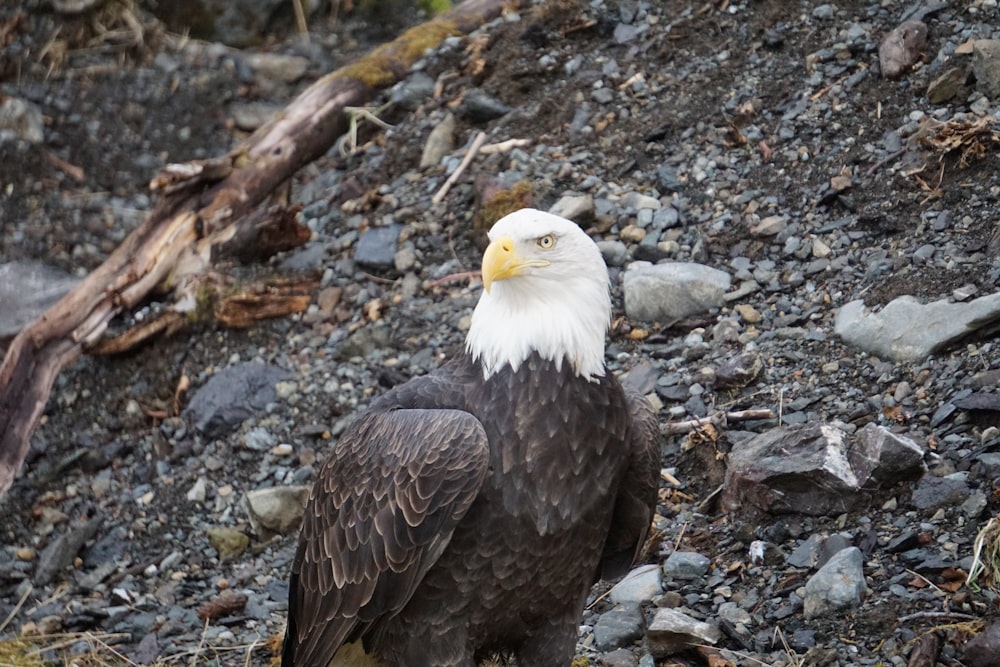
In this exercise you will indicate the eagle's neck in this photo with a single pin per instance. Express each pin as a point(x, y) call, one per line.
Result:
point(562, 322)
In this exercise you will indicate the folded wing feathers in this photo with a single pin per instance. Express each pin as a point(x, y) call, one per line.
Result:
point(393, 490)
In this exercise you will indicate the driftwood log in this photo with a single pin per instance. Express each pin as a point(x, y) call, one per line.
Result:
point(203, 205)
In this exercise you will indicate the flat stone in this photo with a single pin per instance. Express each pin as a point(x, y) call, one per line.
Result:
point(62, 551)
point(769, 226)
point(946, 86)
point(253, 115)
point(806, 555)
point(935, 492)
point(376, 248)
point(671, 291)
point(574, 207)
point(477, 106)
point(232, 395)
point(640, 585)
point(906, 330)
point(618, 627)
point(686, 565)
point(672, 631)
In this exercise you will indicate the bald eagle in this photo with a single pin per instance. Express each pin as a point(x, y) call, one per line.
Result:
point(469, 511)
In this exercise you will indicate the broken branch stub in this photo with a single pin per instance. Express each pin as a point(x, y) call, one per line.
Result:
point(202, 205)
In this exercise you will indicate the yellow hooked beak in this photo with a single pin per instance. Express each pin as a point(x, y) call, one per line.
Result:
point(501, 262)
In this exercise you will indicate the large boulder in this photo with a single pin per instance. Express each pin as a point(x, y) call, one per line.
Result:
point(816, 469)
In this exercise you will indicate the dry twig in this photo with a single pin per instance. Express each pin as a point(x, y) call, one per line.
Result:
point(455, 175)
point(716, 419)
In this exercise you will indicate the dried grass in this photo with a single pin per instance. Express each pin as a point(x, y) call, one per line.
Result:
point(89, 649)
point(985, 570)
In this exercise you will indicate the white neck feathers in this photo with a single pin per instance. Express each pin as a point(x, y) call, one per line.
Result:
point(561, 317)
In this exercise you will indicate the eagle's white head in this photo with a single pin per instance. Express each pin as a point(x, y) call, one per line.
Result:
point(546, 290)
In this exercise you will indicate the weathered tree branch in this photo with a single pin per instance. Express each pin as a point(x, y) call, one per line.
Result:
point(204, 204)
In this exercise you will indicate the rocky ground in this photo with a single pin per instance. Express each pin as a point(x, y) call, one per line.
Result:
point(782, 190)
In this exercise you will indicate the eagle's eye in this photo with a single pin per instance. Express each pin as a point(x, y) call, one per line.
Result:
point(546, 242)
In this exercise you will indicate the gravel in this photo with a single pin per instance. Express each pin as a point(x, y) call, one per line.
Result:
point(757, 143)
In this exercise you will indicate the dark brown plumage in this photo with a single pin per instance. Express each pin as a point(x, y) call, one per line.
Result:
point(464, 515)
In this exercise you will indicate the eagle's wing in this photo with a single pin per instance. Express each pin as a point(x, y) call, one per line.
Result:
point(637, 493)
point(381, 513)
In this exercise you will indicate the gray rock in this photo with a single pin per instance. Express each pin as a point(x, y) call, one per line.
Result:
point(934, 492)
point(75, 6)
point(733, 613)
point(986, 66)
point(405, 259)
point(231, 396)
point(618, 627)
point(62, 550)
point(983, 650)
point(603, 96)
point(974, 505)
point(740, 370)
point(770, 226)
point(270, 69)
point(479, 107)
point(672, 291)
point(946, 86)
point(990, 462)
point(666, 178)
point(615, 252)
point(574, 207)
point(625, 33)
point(198, 491)
point(902, 48)
point(640, 201)
point(672, 631)
point(906, 330)
point(640, 585)
point(148, 650)
point(363, 342)
point(889, 457)
point(814, 469)
point(22, 120)
point(824, 12)
point(686, 565)
point(806, 555)
point(440, 142)
point(837, 586)
point(411, 93)
point(28, 289)
point(376, 248)
point(277, 510)
point(253, 115)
